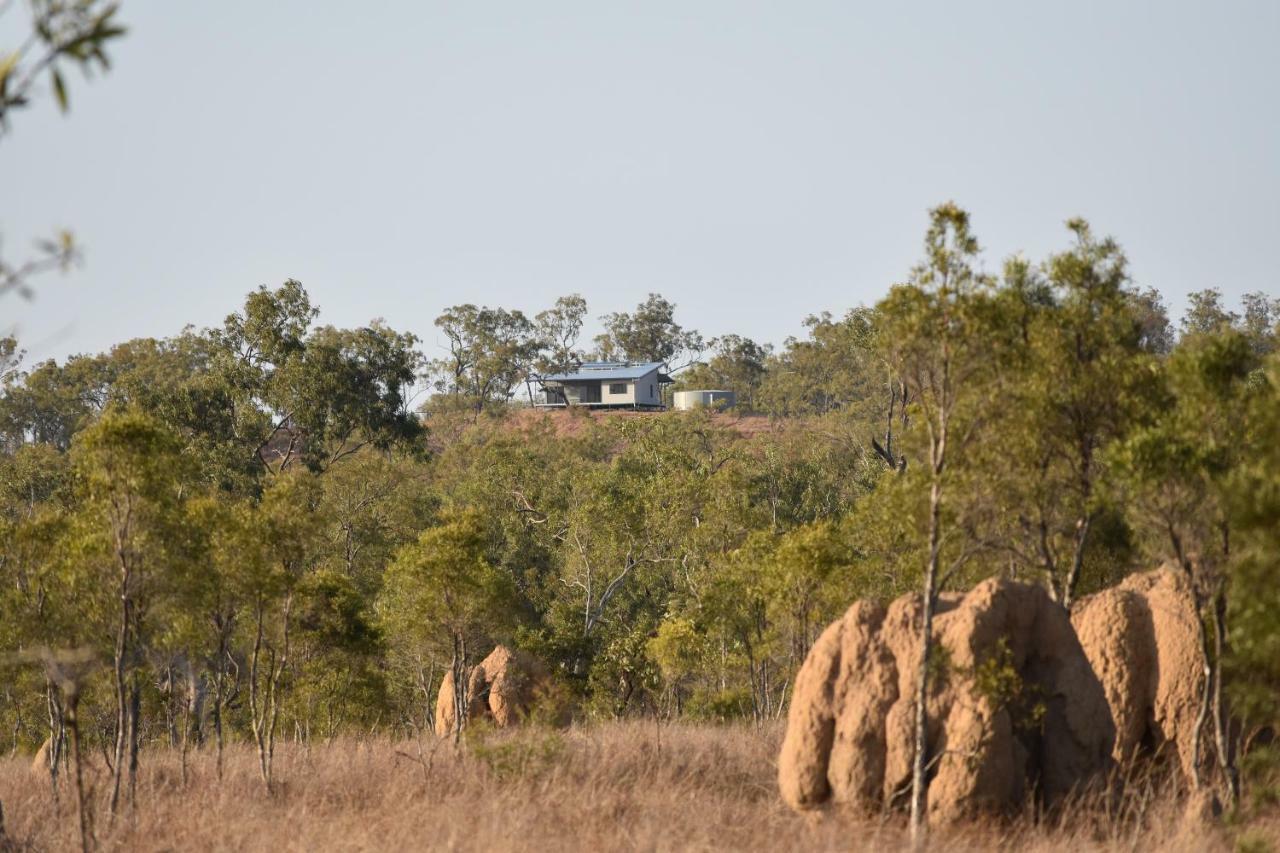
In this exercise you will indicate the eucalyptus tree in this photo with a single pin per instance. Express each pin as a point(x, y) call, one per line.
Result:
point(1260, 321)
point(1157, 334)
point(737, 363)
point(1251, 667)
point(938, 334)
point(43, 607)
point(559, 329)
point(37, 600)
point(650, 333)
point(337, 674)
point(349, 390)
point(128, 529)
point(229, 558)
point(489, 351)
point(315, 396)
point(287, 526)
point(1179, 473)
point(371, 505)
point(1077, 380)
point(835, 367)
point(50, 403)
point(443, 599)
point(1206, 313)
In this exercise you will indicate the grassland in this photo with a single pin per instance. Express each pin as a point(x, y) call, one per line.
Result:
point(624, 786)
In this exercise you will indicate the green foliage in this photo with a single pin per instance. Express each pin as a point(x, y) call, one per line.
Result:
point(719, 706)
point(676, 649)
point(939, 666)
point(1079, 377)
point(737, 364)
point(650, 333)
point(996, 679)
point(64, 34)
point(1253, 841)
point(442, 595)
point(489, 351)
point(1261, 768)
point(339, 650)
point(524, 754)
point(1253, 501)
point(834, 368)
point(558, 329)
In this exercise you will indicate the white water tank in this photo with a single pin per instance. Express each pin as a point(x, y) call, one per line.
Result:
point(685, 400)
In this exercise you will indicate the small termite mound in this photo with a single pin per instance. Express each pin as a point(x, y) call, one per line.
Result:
point(40, 764)
point(502, 689)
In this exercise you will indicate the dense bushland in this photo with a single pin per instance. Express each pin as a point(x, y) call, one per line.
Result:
point(257, 532)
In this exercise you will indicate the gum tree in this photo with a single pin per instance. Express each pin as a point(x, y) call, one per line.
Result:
point(443, 598)
point(131, 472)
point(935, 331)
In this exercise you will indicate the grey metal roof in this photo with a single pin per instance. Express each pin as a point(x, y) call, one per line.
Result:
point(606, 372)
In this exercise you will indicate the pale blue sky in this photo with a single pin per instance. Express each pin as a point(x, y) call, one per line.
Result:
point(753, 162)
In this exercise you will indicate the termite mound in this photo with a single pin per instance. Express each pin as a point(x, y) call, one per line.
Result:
point(1143, 641)
point(1014, 707)
point(503, 688)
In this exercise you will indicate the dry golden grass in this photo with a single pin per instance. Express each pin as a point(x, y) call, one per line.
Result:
point(626, 786)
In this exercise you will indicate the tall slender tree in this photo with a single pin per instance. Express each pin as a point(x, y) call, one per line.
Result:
point(934, 334)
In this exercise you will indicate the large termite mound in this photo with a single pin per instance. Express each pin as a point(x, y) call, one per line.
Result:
point(1143, 640)
point(502, 688)
point(1014, 706)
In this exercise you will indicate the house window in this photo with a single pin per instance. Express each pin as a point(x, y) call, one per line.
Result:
point(617, 387)
point(651, 394)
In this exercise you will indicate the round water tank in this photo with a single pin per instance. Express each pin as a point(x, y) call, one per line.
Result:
point(685, 400)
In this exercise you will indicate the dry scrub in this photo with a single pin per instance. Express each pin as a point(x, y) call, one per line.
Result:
point(632, 786)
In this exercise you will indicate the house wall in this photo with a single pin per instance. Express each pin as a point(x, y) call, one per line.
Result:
point(647, 392)
point(582, 392)
point(641, 392)
point(625, 398)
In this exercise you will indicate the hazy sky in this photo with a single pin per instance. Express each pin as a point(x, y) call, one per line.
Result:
point(753, 162)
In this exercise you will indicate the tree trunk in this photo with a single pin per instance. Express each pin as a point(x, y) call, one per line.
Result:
point(1206, 697)
point(82, 813)
point(219, 686)
point(186, 730)
point(920, 758)
point(1083, 527)
point(122, 700)
point(461, 701)
point(57, 732)
point(1221, 716)
point(135, 716)
point(756, 713)
point(265, 726)
point(257, 712)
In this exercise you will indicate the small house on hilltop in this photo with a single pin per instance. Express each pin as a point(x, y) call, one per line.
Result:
point(604, 384)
